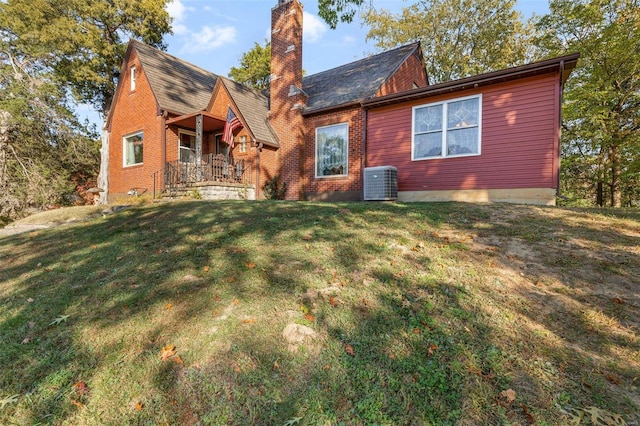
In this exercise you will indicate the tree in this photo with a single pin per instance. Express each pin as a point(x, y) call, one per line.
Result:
point(44, 151)
point(601, 138)
point(255, 67)
point(459, 37)
point(50, 53)
point(334, 11)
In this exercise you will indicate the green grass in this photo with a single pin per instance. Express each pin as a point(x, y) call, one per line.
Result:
point(444, 306)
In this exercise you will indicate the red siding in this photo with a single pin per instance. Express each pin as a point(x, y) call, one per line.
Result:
point(518, 146)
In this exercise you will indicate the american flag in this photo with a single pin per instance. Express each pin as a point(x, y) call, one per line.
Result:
point(230, 125)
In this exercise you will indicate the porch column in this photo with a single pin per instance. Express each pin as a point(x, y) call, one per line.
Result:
point(198, 147)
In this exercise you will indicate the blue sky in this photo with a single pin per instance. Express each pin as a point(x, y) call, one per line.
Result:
point(213, 34)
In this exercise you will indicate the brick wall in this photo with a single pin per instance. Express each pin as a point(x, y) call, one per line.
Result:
point(135, 111)
point(410, 72)
point(286, 71)
point(339, 187)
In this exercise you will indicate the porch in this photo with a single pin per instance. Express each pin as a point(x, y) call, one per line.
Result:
point(212, 171)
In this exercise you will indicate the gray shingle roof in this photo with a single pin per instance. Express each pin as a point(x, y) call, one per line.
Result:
point(254, 108)
point(179, 87)
point(355, 81)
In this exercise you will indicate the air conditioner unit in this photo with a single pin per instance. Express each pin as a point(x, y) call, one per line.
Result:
point(380, 183)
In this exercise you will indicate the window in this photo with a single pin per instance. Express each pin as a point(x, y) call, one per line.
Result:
point(332, 146)
point(132, 146)
point(133, 77)
point(447, 129)
point(187, 146)
point(243, 144)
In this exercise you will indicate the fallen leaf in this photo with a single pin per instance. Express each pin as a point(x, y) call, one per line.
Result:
point(613, 379)
point(236, 368)
point(206, 268)
point(326, 367)
point(26, 340)
point(618, 301)
point(332, 248)
point(177, 359)
point(8, 400)
point(432, 347)
point(139, 406)
point(509, 395)
point(77, 403)
point(231, 280)
point(417, 330)
point(310, 317)
point(168, 306)
point(307, 237)
point(526, 412)
point(30, 300)
point(250, 265)
point(167, 352)
point(349, 349)
point(276, 366)
point(249, 321)
point(81, 388)
point(332, 301)
point(236, 301)
point(391, 356)
point(61, 318)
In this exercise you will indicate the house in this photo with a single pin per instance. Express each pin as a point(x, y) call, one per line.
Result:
point(174, 126)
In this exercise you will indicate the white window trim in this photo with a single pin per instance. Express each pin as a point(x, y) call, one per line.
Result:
point(445, 105)
point(124, 149)
point(183, 132)
point(133, 77)
point(315, 155)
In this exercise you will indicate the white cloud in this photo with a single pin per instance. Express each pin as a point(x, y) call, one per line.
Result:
point(313, 27)
point(209, 38)
point(348, 40)
point(178, 11)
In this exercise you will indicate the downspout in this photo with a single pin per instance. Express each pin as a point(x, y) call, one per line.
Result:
point(163, 144)
point(363, 160)
point(259, 150)
point(561, 95)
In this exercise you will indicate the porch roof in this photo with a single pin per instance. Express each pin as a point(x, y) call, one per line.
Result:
point(210, 122)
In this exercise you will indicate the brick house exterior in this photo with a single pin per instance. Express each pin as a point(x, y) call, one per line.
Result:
point(316, 133)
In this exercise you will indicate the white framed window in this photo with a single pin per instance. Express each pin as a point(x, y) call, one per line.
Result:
point(187, 146)
point(242, 144)
point(447, 129)
point(133, 77)
point(132, 147)
point(332, 150)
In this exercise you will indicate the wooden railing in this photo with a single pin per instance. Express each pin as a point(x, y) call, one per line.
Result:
point(213, 168)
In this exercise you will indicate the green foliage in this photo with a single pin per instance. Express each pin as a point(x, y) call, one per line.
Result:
point(274, 189)
point(255, 67)
point(601, 138)
point(334, 11)
point(80, 42)
point(459, 38)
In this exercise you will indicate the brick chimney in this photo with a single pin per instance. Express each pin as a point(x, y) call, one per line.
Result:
point(286, 94)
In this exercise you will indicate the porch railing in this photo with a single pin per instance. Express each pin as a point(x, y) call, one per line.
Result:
point(213, 168)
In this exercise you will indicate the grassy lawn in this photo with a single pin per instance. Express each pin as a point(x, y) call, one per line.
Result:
point(282, 313)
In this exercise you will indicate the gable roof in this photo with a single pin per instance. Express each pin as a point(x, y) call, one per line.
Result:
point(253, 106)
point(563, 64)
point(353, 82)
point(179, 87)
